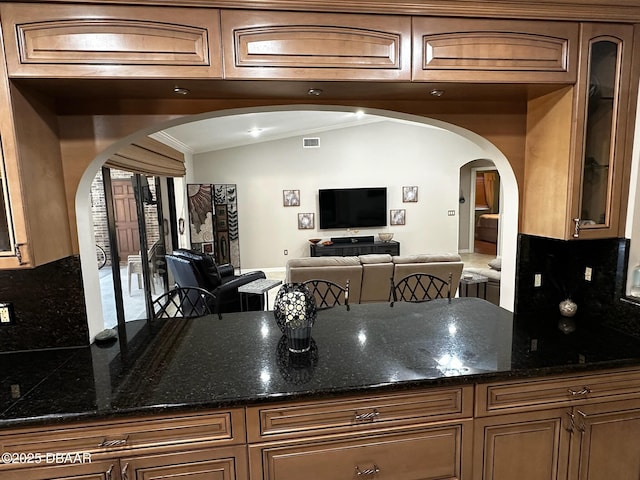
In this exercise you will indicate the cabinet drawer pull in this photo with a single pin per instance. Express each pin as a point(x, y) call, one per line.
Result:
point(114, 443)
point(583, 391)
point(124, 473)
point(367, 471)
point(366, 417)
point(109, 472)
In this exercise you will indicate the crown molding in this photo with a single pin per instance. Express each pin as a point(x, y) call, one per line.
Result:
point(173, 142)
point(624, 11)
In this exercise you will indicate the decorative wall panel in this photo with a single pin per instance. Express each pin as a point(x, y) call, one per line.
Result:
point(213, 218)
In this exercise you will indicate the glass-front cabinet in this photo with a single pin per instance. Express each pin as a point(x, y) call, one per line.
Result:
point(602, 121)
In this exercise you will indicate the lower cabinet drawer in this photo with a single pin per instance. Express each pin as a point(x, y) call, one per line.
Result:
point(437, 453)
point(217, 428)
point(282, 421)
point(528, 395)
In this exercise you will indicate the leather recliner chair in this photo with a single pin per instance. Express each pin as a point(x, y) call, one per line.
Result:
point(193, 269)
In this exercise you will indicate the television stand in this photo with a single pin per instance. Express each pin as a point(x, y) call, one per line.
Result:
point(359, 248)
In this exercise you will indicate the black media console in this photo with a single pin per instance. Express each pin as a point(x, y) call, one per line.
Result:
point(348, 246)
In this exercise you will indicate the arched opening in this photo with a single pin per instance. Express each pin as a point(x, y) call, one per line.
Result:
point(469, 146)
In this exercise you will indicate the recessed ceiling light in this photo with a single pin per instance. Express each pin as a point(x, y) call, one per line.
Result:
point(255, 132)
point(181, 91)
point(316, 92)
point(436, 92)
point(360, 114)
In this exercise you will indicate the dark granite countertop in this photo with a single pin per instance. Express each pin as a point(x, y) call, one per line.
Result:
point(242, 359)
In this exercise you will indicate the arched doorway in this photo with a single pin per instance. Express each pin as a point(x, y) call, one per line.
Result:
point(482, 149)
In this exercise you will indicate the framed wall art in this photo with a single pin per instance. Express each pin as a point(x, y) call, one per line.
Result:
point(397, 217)
point(291, 198)
point(306, 221)
point(410, 194)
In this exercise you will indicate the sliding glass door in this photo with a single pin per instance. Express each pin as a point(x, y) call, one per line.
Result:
point(129, 226)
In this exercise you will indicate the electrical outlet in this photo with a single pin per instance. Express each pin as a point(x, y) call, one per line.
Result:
point(451, 213)
point(537, 280)
point(588, 272)
point(6, 313)
point(15, 391)
point(286, 252)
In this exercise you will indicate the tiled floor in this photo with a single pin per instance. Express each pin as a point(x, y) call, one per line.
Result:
point(476, 260)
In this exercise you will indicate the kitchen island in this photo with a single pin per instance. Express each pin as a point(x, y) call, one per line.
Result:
point(440, 376)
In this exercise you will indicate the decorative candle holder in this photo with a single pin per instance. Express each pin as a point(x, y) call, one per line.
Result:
point(295, 312)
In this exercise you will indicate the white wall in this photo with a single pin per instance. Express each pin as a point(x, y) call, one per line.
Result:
point(389, 153)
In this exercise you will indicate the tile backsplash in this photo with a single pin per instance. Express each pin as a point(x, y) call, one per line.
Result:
point(562, 266)
point(49, 307)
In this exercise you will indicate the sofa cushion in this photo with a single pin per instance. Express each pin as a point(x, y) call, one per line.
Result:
point(439, 265)
point(492, 275)
point(427, 258)
point(372, 258)
point(377, 270)
point(323, 262)
point(334, 269)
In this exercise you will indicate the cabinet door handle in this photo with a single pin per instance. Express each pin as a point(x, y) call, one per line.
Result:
point(367, 471)
point(572, 419)
point(576, 227)
point(108, 473)
point(581, 428)
point(366, 417)
point(125, 475)
point(581, 392)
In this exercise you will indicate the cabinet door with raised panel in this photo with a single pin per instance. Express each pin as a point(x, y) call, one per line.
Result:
point(222, 463)
point(606, 442)
point(50, 469)
point(531, 446)
point(111, 41)
point(490, 50)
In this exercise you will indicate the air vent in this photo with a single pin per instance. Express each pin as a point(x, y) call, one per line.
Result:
point(310, 143)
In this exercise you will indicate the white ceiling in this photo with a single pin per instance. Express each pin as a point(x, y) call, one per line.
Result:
point(233, 131)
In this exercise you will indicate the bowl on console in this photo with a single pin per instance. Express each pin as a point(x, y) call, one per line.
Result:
point(314, 240)
point(385, 236)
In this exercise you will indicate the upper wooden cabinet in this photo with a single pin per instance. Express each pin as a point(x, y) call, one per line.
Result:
point(111, 41)
point(35, 222)
point(314, 46)
point(579, 143)
point(474, 50)
point(602, 154)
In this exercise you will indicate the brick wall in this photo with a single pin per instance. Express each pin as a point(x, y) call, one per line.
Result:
point(99, 211)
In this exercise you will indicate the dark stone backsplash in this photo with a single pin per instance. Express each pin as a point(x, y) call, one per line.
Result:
point(562, 265)
point(49, 307)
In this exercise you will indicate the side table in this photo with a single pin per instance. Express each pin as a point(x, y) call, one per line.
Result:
point(257, 287)
point(476, 279)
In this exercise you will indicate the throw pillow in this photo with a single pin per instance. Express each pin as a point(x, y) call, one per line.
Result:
point(496, 263)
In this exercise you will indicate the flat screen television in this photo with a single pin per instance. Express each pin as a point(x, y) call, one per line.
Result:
point(353, 207)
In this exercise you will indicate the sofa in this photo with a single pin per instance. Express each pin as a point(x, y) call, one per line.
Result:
point(370, 275)
point(193, 269)
point(493, 272)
